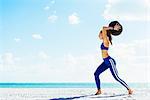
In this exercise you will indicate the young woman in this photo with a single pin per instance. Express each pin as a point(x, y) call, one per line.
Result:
point(114, 28)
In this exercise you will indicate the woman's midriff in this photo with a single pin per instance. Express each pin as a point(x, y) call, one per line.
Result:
point(104, 54)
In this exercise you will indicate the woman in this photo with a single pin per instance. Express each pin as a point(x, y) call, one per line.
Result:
point(114, 28)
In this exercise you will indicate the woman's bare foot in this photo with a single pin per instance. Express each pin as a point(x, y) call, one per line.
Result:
point(98, 92)
point(130, 91)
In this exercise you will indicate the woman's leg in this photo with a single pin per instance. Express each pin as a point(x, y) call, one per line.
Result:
point(114, 72)
point(98, 71)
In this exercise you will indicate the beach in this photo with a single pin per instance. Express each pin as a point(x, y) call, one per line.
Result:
point(72, 94)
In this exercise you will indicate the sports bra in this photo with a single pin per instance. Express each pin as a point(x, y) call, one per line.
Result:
point(103, 47)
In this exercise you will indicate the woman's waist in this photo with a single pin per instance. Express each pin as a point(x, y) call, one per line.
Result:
point(106, 58)
point(104, 54)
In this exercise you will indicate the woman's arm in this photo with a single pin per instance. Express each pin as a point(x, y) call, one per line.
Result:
point(100, 35)
point(104, 34)
point(105, 28)
point(108, 28)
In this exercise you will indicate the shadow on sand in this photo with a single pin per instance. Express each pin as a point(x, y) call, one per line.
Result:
point(90, 96)
point(71, 98)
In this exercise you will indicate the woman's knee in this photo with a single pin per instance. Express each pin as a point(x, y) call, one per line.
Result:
point(96, 74)
point(116, 78)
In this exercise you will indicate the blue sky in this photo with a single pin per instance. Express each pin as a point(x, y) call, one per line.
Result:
point(57, 39)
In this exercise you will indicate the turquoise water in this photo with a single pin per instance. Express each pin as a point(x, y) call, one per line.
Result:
point(70, 85)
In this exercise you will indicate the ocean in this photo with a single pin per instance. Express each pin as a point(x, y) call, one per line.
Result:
point(70, 85)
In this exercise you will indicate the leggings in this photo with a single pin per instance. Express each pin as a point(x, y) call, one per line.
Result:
point(111, 64)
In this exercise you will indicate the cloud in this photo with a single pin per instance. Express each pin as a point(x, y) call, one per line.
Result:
point(52, 1)
point(53, 18)
point(135, 10)
point(46, 8)
point(17, 39)
point(136, 51)
point(37, 36)
point(8, 58)
point(74, 19)
point(132, 58)
point(78, 68)
point(43, 55)
point(70, 59)
point(133, 49)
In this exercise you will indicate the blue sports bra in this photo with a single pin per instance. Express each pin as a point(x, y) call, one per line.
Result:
point(103, 47)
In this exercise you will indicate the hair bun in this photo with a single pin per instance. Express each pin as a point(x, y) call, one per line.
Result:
point(115, 32)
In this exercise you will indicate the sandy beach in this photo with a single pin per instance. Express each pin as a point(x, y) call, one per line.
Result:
point(71, 94)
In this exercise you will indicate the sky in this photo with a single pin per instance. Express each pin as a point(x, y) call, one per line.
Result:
point(57, 40)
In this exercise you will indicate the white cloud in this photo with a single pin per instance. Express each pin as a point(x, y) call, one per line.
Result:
point(37, 36)
point(46, 8)
point(52, 1)
point(8, 58)
point(135, 10)
point(17, 39)
point(78, 68)
point(74, 19)
point(53, 18)
point(43, 55)
point(70, 59)
point(133, 64)
point(133, 58)
point(146, 3)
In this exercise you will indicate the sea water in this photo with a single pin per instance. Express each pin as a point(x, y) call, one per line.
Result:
point(70, 85)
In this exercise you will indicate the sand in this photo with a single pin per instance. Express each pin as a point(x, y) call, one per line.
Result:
point(72, 94)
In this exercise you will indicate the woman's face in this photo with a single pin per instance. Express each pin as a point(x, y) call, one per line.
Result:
point(117, 27)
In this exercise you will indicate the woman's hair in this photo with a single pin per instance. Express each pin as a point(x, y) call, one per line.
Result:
point(109, 37)
point(114, 32)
